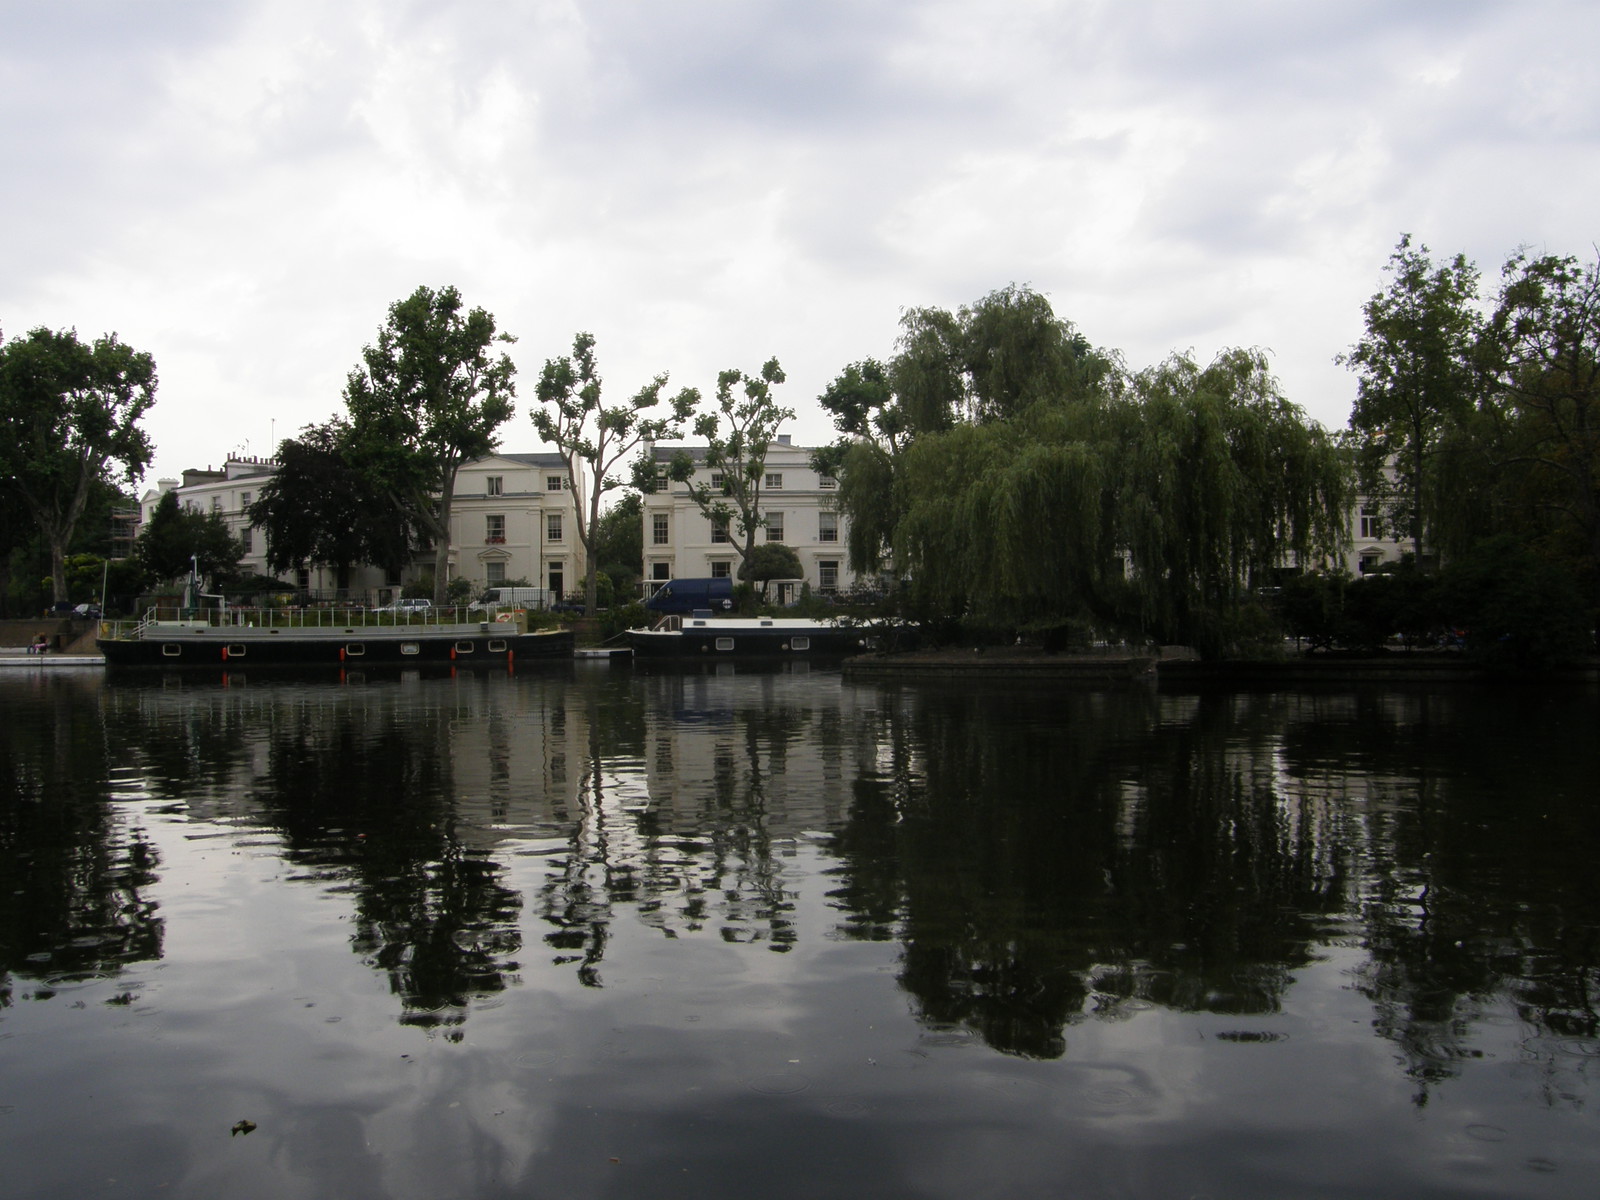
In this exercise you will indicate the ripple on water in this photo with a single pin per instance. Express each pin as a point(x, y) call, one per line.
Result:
point(847, 1107)
point(1487, 1133)
point(537, 1059)
point(77, 979)
point(779, 1083)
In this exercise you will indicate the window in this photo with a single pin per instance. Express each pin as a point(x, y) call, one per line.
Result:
point(775, 479)
point(774, 527)
point(247, 538)
point(494, 485)
point(828, 575)
point(661, 571)
point(552, 483)
point(244, 499)
point(216, 504)
point(718, 483)
point(659, 535)
point(557, 579)
point(827, 482)
point(827, 527)
point(719, 529)
point(552, 527)
point(721, 570)
point(494, 573)
point(494, 528)
point(1371, 523)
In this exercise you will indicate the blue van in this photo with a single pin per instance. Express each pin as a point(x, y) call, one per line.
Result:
point(692, 595)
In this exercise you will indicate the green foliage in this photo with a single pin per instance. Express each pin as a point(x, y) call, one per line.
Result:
point(591, 435)
point(615, 621)
point(428, 396)
point(321, 508)
point(1416, 381)
point(739, 429)
point(769, 561)
point(1520, 611)
point(69, 415)
point(459, 591)
point(175, 538)
point(620, 545)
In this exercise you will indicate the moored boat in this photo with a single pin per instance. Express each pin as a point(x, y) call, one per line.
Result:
point(327, 638)
point(746, 637)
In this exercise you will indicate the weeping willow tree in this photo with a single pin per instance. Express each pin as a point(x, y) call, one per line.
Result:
point(1156, 507)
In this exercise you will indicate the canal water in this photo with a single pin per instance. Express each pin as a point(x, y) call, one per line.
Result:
point(594, 932)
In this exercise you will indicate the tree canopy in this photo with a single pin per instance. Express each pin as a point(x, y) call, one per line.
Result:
point(69, 422)
point(739, 428)
point(320, 507)
point(175, 538)
point(588, 433)
point(429, 395)
point(1414, 366)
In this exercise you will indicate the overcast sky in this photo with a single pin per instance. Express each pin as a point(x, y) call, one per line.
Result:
point(243, 187)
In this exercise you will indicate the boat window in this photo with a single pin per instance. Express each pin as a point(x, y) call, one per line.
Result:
point(171, 649)
point(354, 649)
point(409, 648)
point(464, 647)
point(724, 643)
point(765, 623)
point(799, 643)
point(497, 646)
point(237, 649)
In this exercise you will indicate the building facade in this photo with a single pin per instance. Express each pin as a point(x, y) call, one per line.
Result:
point(797, 504)
point(511, 518)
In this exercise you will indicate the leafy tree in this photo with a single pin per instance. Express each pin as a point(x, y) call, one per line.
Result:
point(69, 416)
point(876, 430)
point(620, 545)
point(771, 560)
point(320, 508)
point(1415, 378)
point(738, 455)
point(1542, 349)
point(176, 538)
point(588, 433)
point(427, 397)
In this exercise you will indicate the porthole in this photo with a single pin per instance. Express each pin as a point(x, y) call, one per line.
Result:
point(410, 648)
point(171, 649)
point(497, 646)
point(464, 647)
point(799, 643)
point(354, 649)
point(236, 649)
point(724, 643)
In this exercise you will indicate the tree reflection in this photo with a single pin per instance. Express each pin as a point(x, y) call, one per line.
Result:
point(74, 867)
point(1052, 856)
point(366, 794)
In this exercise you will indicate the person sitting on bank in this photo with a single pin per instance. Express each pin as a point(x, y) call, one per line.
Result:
point(39, 645)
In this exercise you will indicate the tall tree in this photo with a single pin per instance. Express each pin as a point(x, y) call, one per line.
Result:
point(176, 538)
point(1415, 377)
point(739, 429)
point(319, 508)
point(69, 415)
point(588, 433)
point(1542, 348)
point(620, 545)
point(428, 396)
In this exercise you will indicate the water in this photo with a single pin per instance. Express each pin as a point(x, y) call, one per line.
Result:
point(598, 932)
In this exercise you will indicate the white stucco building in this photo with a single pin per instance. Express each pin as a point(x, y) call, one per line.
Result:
point(511, 518)
point(797, 503)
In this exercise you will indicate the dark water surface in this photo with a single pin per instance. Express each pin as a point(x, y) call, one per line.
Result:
point(598, 933)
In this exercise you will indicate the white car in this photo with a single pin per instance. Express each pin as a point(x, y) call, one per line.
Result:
point(407, 604)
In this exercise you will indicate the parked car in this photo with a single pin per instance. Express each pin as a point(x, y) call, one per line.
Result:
point(407, 604)
point(88, 612)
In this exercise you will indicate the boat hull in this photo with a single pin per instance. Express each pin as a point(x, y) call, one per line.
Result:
point(740, 640)
point(350, 648)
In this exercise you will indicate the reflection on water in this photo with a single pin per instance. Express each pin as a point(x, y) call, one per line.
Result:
point(1173, 909)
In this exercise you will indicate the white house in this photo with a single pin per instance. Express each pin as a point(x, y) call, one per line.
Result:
point(511, 518)
point(796, 502)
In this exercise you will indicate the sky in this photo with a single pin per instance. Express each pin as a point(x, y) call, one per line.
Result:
point(243, 187)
